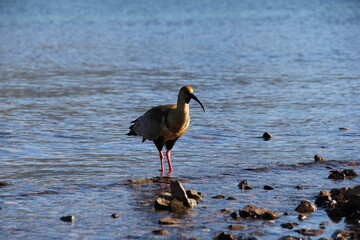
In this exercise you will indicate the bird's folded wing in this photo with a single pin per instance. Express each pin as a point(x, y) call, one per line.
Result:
point(149, 124)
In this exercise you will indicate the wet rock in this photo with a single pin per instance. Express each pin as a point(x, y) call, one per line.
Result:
point(226, 210)
point(342, 174)
point(3, 184)
point(305, 206)
point(115, 215)
point(177, 206)
point(310, 232)
point(179, 192)
point(234, 215)
point(267, 136)
point(302, 217)
point(345, 235)
point(162, 203)
point(266, 187)
point(218, 197)
point(251, 211)
point(300, 187)
point(324, 238)
point(319, 158)
point(230, 198)
point(325, 200)
point(236, 227)
point(68, 219)
point(290, 238)
point(244, 185)
point(344, 128)
point(193, 194)
point(168, 221)
point(289, 225)
point(226, 236)
point(160, 232)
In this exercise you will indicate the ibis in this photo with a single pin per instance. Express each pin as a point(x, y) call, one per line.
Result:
point(165, 124)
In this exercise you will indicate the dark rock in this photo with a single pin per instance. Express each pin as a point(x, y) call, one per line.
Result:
point(169, 220)
point(290, 238)
point(226, 236)
point(305, 206)
point(236, 227)
point(319, 158)
point(3, 184)
point(336, 175)
point(324, 238)
point(299, 187)
point(302, 217)
point(234, 215)
point(251, 211)
point(266, 187)
point(325, 200)
point(68, 219)
point(193, 194)
point(344, 128)
point(115, 215)
point(231, 198)
point(335, 214)
point(310, 232)
point(267, 136)
point(289, 225)
point(349, 173)
point(162, 203)
point(244, 185)
point(218, 197)
point(345, 235)
point(160, 232)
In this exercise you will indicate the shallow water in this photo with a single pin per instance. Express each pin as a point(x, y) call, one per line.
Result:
point(74, 75)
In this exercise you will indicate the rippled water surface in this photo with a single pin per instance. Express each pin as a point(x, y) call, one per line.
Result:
point(74, 74)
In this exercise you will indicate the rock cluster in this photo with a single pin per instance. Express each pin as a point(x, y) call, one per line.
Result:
point(341, 202)
point(178, 200)
point(342, 174)
point(251, 211)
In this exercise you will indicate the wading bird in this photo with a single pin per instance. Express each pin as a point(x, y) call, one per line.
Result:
point(165, 124)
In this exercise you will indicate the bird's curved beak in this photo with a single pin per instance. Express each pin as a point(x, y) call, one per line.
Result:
point(196, 99)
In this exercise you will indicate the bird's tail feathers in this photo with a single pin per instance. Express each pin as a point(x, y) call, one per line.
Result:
point(131, 132)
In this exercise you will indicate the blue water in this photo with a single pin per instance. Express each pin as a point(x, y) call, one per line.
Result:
point(74, 74)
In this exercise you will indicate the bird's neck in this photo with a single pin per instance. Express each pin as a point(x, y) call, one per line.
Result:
point(179, 117)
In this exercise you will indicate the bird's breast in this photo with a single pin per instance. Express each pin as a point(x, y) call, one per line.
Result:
point(173, 130)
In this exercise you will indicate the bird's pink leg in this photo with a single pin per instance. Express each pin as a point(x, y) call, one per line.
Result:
point(168, 156)
point(161, 161)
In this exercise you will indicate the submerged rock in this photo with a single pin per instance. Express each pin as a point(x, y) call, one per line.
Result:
point(193, 194)
point(290, 238)
point(218, 197)
point(160, 232)
point(115, 215)
point(169, 220)
point(289, 225)
point(3, 184)
point(236, 227)
point(305, 206)
point(162, 203)
point(226, 236)
point(267, 187)
point(251, 211)
point(310, 232)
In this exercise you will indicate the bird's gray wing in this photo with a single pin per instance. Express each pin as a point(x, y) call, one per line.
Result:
point(149, 124)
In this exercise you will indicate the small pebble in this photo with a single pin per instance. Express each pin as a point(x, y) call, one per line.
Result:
point(344, 128)
point(244, 185)
point(68, 219)
point(226, 236)
point(160, 232)
point(289, 225)
point(115, 215)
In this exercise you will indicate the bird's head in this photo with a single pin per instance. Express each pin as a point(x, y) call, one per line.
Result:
point(187, 94)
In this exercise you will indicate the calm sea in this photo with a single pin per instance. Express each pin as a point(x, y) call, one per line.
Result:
point(74, 74)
